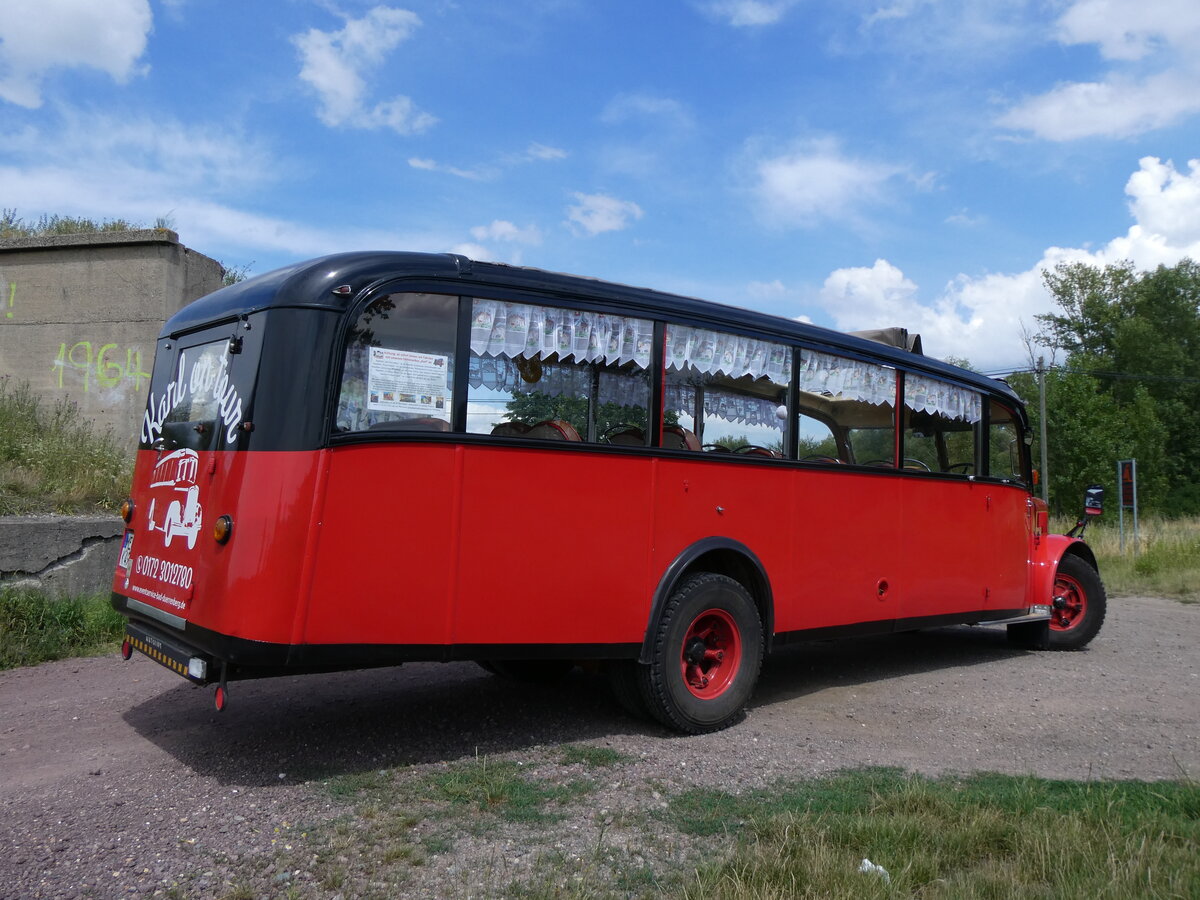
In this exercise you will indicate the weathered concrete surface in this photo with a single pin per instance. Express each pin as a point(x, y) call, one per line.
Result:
point(62, 555)
point(80, 313)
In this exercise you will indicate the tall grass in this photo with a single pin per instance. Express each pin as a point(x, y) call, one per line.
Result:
point(35, 628)
point(54, 460)
point(986, 836)
point(1165, 561)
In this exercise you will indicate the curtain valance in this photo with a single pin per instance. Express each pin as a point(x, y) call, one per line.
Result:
point(939, 398)
point(847, 379)
point(715, 352)
point(503, 329)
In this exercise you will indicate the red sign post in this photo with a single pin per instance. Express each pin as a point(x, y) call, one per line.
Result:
point(1127, 481)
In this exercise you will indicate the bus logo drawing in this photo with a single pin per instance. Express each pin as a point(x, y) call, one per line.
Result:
point(173, 483)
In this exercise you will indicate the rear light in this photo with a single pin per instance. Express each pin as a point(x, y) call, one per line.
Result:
point(127, 509)
point(222, 529)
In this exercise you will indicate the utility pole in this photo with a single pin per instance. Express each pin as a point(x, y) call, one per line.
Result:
point(1041, 374)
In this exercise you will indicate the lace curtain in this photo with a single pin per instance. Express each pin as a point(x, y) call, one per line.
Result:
point(717, 353)
point(559, 381)
point(846, 379)
point(932, 396)
point(503, 329)
point(681, 398)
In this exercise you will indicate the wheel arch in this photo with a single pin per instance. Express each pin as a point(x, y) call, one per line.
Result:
point(723, 556)
point(1056, 547)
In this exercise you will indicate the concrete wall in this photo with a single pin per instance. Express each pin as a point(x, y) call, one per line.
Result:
point(65, 556)
point(79, 315)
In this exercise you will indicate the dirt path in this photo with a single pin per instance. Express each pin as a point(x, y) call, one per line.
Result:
point(118, 778)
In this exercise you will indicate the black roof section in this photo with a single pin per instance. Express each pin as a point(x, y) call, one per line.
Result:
point(311, 285)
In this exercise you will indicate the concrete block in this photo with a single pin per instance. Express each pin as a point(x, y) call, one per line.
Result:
point(62, 555)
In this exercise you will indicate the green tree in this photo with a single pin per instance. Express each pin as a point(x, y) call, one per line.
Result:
point(1139, 335)
point(1087, 432)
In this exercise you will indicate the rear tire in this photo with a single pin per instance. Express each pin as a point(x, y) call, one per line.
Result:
point(708, 650)
point(1079, 604)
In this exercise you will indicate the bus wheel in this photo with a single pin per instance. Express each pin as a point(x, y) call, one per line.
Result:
point(707, 654)
point(1078, 604)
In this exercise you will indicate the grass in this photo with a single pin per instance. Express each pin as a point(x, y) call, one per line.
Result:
point(35, 628)
point(1167, 562)
point(986, 836)
point(52, 460)
point(983, 836)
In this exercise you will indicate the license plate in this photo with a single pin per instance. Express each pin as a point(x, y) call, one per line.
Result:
point(126, 551)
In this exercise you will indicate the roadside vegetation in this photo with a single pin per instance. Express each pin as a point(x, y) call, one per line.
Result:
point(1164, 562)
point(981, 836)
point(53, 460)
point(36, 628)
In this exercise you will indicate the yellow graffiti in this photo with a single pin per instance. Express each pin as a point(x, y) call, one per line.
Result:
point(102, 367)
point(12, 299)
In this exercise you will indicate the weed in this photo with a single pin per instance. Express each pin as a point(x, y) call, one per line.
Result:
point(52, 459)
point(502, 788)
point(985, 836)
point(35, 628)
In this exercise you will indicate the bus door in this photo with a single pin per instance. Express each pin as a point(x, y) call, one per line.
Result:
point(1011, 524)
point(848, 529)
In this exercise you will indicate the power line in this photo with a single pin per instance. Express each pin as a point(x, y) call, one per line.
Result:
point(1128, 376)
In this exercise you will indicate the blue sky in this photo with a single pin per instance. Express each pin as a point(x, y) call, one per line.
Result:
point(859, 163)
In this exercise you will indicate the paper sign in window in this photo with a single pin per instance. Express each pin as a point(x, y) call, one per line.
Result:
point(406, 382)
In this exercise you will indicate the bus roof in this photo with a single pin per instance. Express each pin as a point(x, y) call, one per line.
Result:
point(311, 285)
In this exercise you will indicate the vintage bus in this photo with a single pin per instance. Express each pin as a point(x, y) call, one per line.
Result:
point(374, 458)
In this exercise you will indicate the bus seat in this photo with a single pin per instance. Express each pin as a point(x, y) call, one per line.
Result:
point(511, 429)
point(676, 437)
point(759, 451)
point(421, 424)
point(554, 430)
point(626, 436)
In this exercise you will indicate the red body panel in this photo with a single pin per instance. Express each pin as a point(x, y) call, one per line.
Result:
point(436, 543)
point(250, 587)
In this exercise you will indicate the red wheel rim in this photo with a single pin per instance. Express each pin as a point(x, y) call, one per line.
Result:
point(1070, 603)
point(711, 654)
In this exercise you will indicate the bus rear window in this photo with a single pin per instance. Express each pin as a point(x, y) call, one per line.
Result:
point(399, 365)
point(201, 391)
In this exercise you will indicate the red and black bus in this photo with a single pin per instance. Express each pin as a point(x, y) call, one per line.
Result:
point(374, 458)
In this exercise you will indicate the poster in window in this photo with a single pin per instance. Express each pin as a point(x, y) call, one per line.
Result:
point(404, 381)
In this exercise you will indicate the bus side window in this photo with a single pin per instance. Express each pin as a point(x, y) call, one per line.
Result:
point(725, 393)
point(398, 371)
point(548, 373)
point(855, 400)
point(818, 443)
point(1006, 447)
point(941, 426)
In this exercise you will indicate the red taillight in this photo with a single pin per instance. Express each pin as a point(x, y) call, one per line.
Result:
point(127, 509)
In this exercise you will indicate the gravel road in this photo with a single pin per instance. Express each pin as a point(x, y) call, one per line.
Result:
point(119, 779)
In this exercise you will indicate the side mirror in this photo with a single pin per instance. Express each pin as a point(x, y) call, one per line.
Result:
point(1093, 505)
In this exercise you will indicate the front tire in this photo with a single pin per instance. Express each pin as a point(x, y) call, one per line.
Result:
point(1079, 604)
point(708, 651)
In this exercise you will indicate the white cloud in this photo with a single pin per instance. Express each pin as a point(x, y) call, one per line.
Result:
point(432, 165)
point(333, 64)
point(817, 182)
point(597, 213)
point(1116, 108)
point(536, 151)
point(106, 167)
point(980, 317)
point(664, 110)
point(748, 13)
point(501, 230)
point(37, 36)
point(1166, 202)
point(1127, 30)
point(1154, 47)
